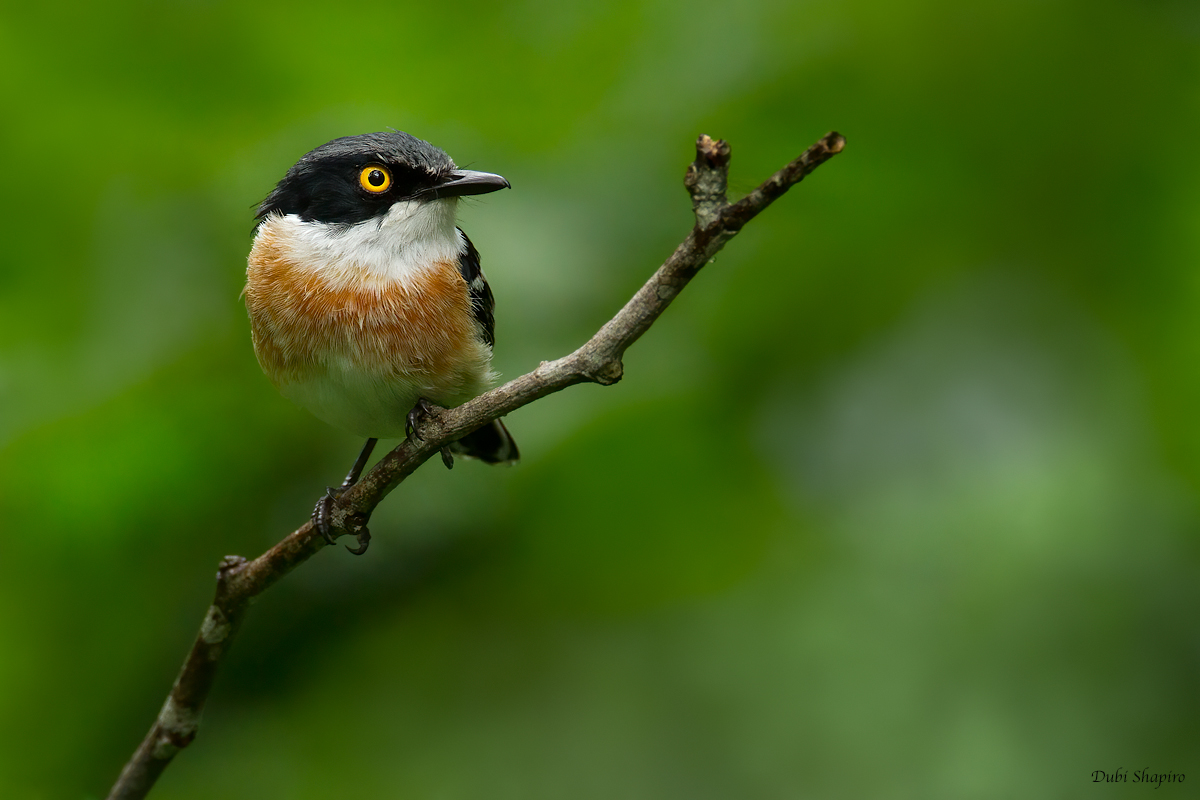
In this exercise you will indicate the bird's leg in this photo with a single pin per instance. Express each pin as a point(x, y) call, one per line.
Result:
point(413, 422)
point(322, 513)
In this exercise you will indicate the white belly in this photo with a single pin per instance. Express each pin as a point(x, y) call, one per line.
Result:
point(375, 405)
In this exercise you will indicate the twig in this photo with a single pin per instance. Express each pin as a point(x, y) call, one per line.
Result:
point(597, 361)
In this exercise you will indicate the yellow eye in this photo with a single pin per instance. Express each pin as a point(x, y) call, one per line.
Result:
point(374, 179)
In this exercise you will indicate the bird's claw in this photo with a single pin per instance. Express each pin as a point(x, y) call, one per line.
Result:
point(322, 519)
point(412, 422)
point(322, 514)
point(364, 540)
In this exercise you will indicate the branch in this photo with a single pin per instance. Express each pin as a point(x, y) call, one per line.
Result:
point(598, 361)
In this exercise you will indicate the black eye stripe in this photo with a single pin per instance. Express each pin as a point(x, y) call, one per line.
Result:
point(348, 190)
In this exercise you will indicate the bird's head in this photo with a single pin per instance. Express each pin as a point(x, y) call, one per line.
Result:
point(355, 179)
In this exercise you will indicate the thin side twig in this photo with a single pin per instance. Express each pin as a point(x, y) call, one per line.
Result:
point(597, 361)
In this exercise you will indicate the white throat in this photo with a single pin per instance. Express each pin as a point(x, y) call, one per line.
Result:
point(413, 236)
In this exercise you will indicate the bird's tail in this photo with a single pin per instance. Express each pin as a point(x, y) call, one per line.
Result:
point(491, 444)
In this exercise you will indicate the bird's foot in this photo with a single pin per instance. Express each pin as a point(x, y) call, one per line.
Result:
point(322, 520)
point(323, 512)
point(412, 425)
point(420, 411)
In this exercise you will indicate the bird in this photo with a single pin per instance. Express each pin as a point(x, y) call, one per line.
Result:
point(367, 302)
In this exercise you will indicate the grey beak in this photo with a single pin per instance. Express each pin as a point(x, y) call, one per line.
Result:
point(464, 181)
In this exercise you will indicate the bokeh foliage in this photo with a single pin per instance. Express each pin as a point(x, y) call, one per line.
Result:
point(898, 500)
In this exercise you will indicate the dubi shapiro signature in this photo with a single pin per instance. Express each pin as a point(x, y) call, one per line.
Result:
point(1121, 775)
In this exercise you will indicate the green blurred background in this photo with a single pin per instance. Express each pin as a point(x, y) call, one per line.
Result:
point(899, 500)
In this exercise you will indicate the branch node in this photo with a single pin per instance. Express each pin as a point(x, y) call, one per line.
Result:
point(216, 627)
point(714, 152)
point(164, 748)
point(177, 723)
point(607, 372)
point(228, 565)
point(707, 179)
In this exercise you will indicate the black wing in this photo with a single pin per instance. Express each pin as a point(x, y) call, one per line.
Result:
point(482, 301)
